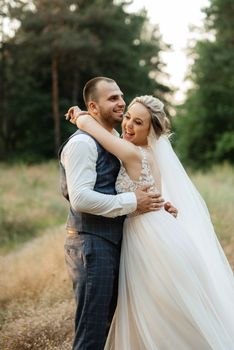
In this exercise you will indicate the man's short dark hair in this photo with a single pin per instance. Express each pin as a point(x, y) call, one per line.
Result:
point(90, 89)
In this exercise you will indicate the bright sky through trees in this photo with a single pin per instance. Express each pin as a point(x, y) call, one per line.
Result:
point(174, 19)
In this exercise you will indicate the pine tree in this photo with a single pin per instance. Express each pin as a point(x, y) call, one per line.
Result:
point(59, 46)
point(205, 125)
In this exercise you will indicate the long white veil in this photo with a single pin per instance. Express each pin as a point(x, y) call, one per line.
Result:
point(171, 295)
point(193, 214)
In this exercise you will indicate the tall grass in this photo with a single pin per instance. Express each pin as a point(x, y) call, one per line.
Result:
point(36, 301)
point(216, 187)
point(29, 202)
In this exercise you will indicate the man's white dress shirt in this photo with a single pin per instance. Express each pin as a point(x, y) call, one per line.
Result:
point(79, 158)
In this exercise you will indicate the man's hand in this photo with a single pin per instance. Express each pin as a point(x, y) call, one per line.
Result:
point(148, 201)
point(170, 209)
point(73, 113)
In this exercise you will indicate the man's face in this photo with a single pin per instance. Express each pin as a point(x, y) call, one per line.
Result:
point(110, 105)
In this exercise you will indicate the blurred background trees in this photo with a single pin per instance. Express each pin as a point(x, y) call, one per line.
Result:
point(205, 123)
point(57, 47)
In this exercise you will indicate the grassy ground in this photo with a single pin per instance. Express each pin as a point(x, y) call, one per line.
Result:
point(29, 202)
point(216, 188)
point(36, 300)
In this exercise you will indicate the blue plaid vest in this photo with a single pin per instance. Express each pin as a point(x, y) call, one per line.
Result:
point(107, 168)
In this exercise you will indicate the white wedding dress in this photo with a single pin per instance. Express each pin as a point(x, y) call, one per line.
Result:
point(172, 295)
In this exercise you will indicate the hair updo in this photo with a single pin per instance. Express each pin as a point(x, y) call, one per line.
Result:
point(159, 120)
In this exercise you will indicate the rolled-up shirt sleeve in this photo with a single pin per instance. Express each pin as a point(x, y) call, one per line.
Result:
point(79, 158)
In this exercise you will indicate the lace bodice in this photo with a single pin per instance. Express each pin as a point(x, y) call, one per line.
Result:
point(125, 184)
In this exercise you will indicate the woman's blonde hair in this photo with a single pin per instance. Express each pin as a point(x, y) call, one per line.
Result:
point(159, 120)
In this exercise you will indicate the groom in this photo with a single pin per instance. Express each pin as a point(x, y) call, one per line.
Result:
point(96, 216)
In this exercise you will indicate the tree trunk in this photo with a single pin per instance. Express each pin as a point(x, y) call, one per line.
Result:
point(75, 89)
point(55, 103)
point(3, 118)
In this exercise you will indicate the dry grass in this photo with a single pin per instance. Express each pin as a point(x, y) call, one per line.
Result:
point(46, 328)
point(36, 299)
point(29, 203)
point(36, 267)
point(216, 188)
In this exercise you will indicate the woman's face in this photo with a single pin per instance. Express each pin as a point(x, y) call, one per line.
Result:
point(136, 124)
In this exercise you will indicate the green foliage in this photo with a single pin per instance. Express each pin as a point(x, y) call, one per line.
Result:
point(84, 39)
point(225, 146)
point(205, 125)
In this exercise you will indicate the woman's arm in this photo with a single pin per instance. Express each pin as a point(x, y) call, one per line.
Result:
point(122, 149)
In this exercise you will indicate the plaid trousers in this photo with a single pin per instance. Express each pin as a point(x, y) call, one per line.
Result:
point(93, 265)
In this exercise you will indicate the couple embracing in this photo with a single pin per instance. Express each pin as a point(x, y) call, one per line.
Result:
point(144, 277)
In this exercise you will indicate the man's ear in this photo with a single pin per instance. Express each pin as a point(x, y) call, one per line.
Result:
point(93, 107)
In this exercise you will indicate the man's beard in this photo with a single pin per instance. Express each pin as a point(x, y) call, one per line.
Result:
point(108, 119)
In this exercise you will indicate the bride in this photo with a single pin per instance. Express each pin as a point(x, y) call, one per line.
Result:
point(176, 288)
